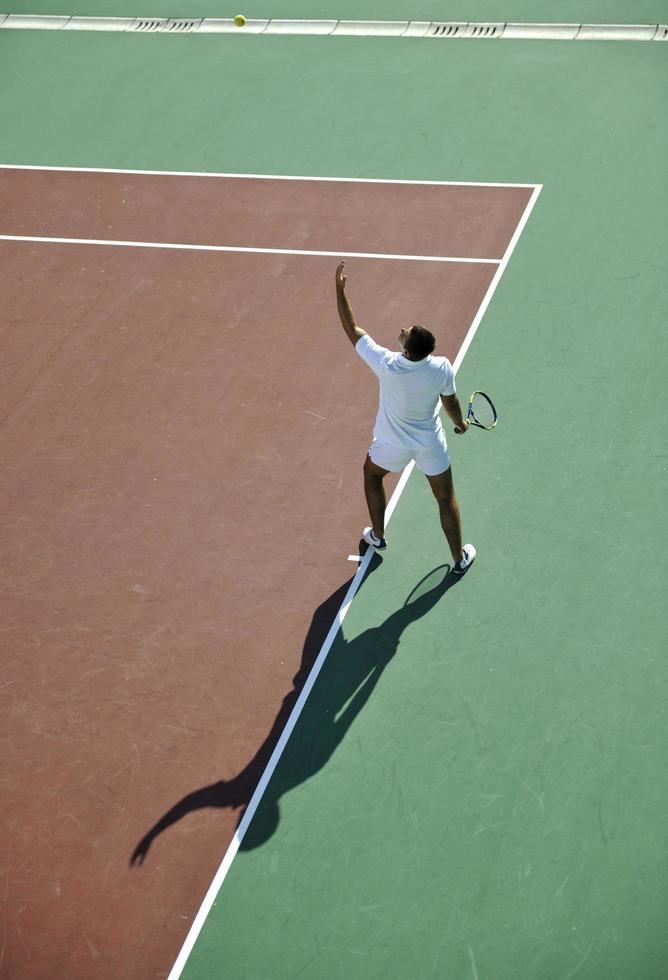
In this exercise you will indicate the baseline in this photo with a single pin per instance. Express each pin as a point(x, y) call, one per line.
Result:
point(293, 216)
point(214, 173)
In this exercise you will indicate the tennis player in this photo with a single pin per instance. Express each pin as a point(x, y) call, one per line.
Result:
point(413, 384)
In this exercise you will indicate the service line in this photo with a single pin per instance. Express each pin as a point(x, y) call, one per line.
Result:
point(240, 248)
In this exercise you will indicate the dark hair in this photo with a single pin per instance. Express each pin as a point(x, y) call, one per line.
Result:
point(420, 342)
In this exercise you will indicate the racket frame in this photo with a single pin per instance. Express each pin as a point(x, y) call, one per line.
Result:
point(471, 419)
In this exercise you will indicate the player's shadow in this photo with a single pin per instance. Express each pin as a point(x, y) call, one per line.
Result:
point(345, 683)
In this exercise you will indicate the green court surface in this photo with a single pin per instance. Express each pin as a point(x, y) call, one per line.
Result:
point(476, 787)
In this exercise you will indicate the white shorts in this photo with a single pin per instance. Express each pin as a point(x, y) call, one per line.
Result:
point(430, 460)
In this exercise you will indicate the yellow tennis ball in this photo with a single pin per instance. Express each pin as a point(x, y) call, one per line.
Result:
point(240, 20)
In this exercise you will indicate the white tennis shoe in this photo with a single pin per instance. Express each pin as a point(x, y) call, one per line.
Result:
point(380, 544)
point(465, 563)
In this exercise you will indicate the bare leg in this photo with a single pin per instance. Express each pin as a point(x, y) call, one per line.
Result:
point(374, 491)
point(448, 507)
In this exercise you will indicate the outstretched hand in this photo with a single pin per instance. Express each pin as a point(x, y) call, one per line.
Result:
point(340, 278)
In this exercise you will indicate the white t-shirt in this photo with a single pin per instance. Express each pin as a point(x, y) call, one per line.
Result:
point(409, 403)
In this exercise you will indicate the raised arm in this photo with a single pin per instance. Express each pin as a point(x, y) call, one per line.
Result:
point(353, 332)
point(454, 412)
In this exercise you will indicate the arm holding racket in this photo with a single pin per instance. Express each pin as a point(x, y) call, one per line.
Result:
point(353, 331)
point(454, 412)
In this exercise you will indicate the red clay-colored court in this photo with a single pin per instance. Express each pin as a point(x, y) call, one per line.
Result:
point(183, 432)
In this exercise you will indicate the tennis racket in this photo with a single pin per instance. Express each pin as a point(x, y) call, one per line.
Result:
point(481, 411)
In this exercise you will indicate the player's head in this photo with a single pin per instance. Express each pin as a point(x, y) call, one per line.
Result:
point(417, 342)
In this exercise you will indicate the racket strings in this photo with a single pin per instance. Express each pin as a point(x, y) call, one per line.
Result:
point(482, 410)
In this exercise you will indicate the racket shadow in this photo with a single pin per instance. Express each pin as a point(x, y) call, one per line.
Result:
point(344, 686)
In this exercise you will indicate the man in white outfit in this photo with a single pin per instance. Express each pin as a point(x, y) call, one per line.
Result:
point(413, 385)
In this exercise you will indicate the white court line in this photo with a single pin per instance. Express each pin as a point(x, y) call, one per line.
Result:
point(239, 248)
point(201, 173)
point(497, 276)
point(232, 850)
point(231, 853)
